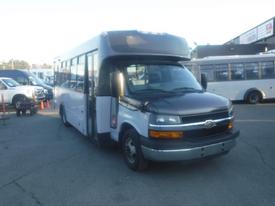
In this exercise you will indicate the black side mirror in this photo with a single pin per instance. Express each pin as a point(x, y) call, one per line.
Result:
point(204, 81)
point(117, 84)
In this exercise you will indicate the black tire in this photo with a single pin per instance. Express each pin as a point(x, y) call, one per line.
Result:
point(254, 97)
point(17, 101)
point(132, 151)
point(24, 112)
point(63, 117)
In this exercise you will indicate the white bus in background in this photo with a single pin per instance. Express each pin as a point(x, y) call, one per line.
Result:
point(242, 77)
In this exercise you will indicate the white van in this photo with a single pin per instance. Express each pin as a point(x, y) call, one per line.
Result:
point(13, 92)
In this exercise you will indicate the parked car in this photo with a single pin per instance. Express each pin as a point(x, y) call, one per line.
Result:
point(14, 93)
point(25, 77)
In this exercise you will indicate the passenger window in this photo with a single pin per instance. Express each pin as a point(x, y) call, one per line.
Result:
point(56, 74)
point(251, 71)
point(72, 82)
point(268, 70)
point(221, 72)
point(208, 71)
point(237, 71)
point(96, 69)
point(2, 86)
point(80, 74)
point(63, 77)
point(92, 71)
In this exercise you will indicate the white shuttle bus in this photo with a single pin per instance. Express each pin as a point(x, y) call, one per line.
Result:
point(129, 87)
point(240, 77)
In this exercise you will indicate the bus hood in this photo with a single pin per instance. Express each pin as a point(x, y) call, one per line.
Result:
point(188, 103)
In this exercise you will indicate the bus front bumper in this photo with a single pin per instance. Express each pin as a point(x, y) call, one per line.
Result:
point(192, 153)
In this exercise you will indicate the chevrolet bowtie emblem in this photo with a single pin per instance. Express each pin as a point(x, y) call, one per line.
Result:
point(208, 124)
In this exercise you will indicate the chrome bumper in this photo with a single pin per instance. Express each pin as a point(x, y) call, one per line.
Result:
point(188, 153)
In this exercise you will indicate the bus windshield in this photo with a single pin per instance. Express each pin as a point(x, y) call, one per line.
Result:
point(159, 78)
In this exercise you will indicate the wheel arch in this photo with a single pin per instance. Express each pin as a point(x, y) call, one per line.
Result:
point(124, 127)
point(17, 96)
point(254, 89)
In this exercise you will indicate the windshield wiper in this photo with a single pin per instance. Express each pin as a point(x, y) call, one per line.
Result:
point(152, 90)
point(185, 89)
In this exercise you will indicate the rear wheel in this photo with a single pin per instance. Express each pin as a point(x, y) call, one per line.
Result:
point(132, 153)
point(254, 97)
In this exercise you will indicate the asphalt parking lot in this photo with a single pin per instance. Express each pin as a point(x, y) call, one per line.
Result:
point(44, 163)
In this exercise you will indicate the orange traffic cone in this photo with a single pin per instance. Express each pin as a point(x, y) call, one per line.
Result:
point(41, 105)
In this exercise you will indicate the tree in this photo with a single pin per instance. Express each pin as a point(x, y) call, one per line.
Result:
point(15, 64)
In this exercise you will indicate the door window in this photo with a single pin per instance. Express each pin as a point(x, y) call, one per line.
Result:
point(2, 86)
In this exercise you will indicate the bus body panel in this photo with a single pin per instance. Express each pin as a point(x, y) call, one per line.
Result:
point(74, 105)
point(103, 114)
point(77, 107)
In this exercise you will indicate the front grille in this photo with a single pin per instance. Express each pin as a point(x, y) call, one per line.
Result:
point(204, 117)
point(203, 133)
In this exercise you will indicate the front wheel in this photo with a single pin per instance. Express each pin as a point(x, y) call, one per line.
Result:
point(132, 151)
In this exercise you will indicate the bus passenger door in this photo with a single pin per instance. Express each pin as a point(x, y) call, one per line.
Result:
point(91, 97)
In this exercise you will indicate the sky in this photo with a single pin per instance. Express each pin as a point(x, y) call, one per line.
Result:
point(39, 30)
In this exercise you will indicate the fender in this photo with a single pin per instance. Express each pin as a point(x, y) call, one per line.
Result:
point(132, 118)
point(125, 125)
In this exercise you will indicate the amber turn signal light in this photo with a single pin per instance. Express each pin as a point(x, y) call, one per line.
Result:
point(230, 125)
point(165, 134)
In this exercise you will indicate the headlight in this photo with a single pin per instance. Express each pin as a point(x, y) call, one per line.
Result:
point(165, 119)
point(45, 91)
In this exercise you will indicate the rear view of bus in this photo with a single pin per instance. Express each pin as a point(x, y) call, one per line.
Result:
point(129, 87)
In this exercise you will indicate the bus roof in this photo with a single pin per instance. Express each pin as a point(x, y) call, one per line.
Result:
point(120, 43)
point(235, 58)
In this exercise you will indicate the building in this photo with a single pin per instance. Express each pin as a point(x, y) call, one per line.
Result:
point(261, 34)
point(256, 40)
